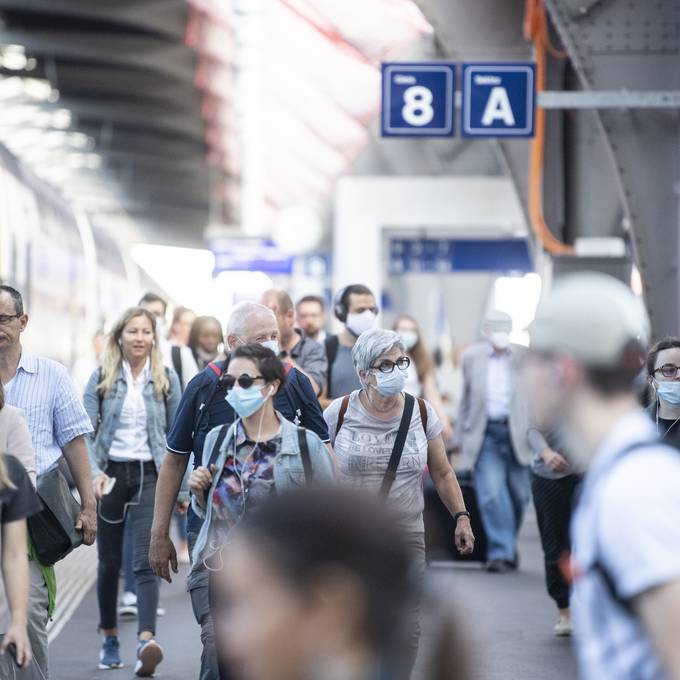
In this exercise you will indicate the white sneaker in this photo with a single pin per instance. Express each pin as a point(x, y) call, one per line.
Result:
point(128, 605)
point(563, 627)
point(160, 611)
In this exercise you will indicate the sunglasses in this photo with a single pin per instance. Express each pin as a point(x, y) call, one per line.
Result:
point(668, 370)
point(244, 380)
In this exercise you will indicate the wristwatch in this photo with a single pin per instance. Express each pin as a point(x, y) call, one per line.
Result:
point(458, 515)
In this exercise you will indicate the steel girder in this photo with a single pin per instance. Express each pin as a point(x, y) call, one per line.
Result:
point(636, 45)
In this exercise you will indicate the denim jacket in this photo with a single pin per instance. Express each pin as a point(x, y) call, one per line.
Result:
point(289, 472)
point(105, 411)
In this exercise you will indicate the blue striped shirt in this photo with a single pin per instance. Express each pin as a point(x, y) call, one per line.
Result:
point(44, 391)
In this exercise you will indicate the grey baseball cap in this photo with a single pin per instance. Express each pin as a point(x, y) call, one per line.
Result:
point(592, 317)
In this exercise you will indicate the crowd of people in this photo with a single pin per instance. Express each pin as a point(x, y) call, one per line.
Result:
point(293, 460)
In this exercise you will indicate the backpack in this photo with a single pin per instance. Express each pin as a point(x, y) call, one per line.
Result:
point(345, 405)
point(332, 344)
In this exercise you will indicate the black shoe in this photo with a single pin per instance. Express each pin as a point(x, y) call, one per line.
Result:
point(497, 567)
point(513, 564)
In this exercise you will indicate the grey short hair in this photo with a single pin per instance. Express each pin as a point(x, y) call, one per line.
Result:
point(372, 344)
point(242, 312)
point(497, 321)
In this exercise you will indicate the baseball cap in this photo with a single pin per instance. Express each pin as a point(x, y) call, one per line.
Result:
point(592, 317)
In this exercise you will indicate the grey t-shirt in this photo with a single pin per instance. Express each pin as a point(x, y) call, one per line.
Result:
point(344, 378)
point(363, 447)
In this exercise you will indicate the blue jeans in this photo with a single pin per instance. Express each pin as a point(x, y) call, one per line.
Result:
point(503, 488)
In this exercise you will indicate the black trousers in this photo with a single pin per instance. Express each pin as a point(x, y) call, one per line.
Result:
point(554, 502)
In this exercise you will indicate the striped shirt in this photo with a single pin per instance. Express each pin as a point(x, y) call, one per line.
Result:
point(44, 391)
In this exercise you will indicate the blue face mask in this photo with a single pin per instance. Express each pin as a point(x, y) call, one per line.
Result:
point(669, 392)
point(389, 384)
point(246, 401)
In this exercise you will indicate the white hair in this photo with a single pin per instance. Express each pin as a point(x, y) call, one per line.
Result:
point(242, 313)
point(373, 344)
point(497, 321)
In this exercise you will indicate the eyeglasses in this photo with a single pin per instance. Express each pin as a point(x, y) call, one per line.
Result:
point(387, 366)
point(6, 318)
point(244, 380)
point(668, 370)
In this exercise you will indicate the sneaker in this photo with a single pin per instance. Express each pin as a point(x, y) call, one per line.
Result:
point(497, 567)
point(109, 657)
point(128, 606)
point(160, 610)
point(149, 655)
point(563, 627)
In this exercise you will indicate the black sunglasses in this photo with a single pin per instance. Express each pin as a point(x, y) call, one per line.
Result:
point(244, 380)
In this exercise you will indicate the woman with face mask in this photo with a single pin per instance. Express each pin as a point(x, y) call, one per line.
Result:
point(131, 401)
point(663, 374)
point(384, 438)
point(421, 379)
point(259, 455)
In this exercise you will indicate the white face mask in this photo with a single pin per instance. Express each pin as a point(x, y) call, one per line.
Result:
point(358, 323)
point(409, 338)
point(273, 345)
point(500, 339)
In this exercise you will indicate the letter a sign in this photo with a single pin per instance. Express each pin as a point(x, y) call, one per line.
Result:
point(498, 100)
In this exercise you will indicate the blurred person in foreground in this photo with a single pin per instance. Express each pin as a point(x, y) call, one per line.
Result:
point(307, 355)
point(663, 376)
point(310, 313)
point(491, 430)
point(384, 438)
point(587, 348)
point(421, 380)
point(310, 589)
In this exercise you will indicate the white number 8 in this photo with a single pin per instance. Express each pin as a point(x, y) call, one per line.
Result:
point(417, 109)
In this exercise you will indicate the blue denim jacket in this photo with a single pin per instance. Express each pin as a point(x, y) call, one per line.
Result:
point(289, 472)
point(104, 413)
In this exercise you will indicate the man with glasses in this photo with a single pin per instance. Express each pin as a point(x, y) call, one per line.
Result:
point(203, 407)
point(43, 389)
point(492, 430)
point(383, 440)
point(663, 379)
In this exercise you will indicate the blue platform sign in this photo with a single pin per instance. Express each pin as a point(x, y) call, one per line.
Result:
point(249, 254)
point(447, 255)
point(498, 100)
point(418, 100)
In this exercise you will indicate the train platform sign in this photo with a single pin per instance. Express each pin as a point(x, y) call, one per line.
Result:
point(498, 100)
point(418, 99)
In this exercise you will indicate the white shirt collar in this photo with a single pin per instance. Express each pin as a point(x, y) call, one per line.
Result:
point(142, 377)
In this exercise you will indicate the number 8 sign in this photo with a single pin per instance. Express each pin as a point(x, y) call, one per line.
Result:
point(418, 100)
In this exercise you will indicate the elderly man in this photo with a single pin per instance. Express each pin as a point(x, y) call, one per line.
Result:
point(203, 407)
point(43, 389)
point(305, 354)
point(493, 434)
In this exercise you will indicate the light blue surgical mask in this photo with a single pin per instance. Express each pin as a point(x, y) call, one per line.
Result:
point(273, 345)
point(246, 401)
point(669, 392)
point(389, 384)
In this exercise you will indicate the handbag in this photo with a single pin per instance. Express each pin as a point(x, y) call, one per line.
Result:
point(52, 530)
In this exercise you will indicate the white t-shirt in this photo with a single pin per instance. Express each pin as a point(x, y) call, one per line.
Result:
point(131, 439)
point(629, 521)
point(363, 447)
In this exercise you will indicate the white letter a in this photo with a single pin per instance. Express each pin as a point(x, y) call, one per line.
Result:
point(498, 108)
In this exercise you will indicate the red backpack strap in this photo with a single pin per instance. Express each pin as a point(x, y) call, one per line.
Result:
point(215, 368)
point(341, 414)
point(423, 414)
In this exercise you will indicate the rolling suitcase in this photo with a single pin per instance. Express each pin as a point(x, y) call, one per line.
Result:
point(439, 527)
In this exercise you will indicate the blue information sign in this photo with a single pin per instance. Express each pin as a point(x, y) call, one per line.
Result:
point(418, 100)
point(445, 255)
point(244, 254)
point(498, 100)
